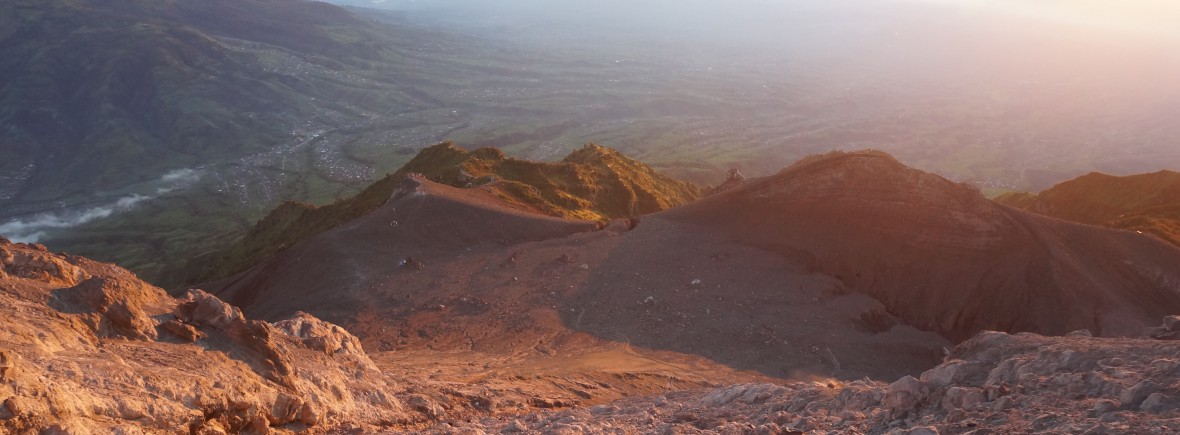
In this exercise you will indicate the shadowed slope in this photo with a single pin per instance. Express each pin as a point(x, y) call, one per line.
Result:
point(446, 269)
point(592, 183)
point(334, 271)
point(942, 257)
point(815, 271)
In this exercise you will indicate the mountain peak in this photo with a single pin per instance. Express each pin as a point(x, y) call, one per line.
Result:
point(592, 152)
point(937, 253)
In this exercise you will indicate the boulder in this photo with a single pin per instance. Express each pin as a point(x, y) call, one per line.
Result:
point(1154, 403)
point(743, 393)
point(39, 265)
point(285, 410)
point(203, 309)
point(860, 398)
point(259, 337)
point(955, 372)
point(924, 430)
point(183, 331)
point(320, 335)
point(1172, 323)
point(1132, 397)
point(7, 365)
point(904, 395)
point(964, 398)
point(115, 307)
point(427, 407)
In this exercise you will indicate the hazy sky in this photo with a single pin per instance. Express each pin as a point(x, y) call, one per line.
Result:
point(1152, 17)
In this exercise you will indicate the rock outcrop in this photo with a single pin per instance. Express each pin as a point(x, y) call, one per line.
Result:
point(114, 307)
point(1169, 330)
point(37, 263)
point(86, 347)
point(993, 383)
point(733, 179)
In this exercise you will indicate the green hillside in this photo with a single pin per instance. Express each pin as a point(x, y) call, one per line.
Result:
point(1149, 203)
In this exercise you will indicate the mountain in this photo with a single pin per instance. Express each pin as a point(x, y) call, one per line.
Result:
point(764, 306)
point(1148, 203)
point(593, 183)
point(100, 95)
point(942, 257)
point(447, 269)
point(833, 266)
point(194, 118)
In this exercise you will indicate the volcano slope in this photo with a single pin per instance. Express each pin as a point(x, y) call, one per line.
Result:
point(942, 257)
point(832, 267)
point(1149, 203)
point(592, 183)
point(446, 269)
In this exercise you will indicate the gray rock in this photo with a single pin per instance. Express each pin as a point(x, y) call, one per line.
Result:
point(1103, 406)
point(748, 394)
point(1164, 366)
point(1172, 323)
point(1003, 403)
point(962, 398)
point(1130, 398)
point(426, 406)
point(904, 395)
point(1156, 402)
point(860, 399)
point(924, 430)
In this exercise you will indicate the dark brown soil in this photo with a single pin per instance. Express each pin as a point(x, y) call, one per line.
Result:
point(816, 271)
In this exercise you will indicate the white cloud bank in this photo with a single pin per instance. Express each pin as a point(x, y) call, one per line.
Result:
point(33, 228)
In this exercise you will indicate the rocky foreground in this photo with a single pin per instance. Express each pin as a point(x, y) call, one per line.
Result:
point(86, 347)
point(995, 383)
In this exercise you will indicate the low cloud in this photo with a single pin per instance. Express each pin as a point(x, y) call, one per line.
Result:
point(32, 229)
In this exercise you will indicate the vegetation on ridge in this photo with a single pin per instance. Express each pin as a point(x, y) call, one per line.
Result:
point(591, 183)
point(1148, 203)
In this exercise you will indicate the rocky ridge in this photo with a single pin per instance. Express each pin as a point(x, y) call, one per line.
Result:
point(991, 384)
point(592, 183)
point(1147, 203)
point(89, 348)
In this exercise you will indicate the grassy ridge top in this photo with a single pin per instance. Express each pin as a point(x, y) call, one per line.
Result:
point(592, 183)
point(1147, 202)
